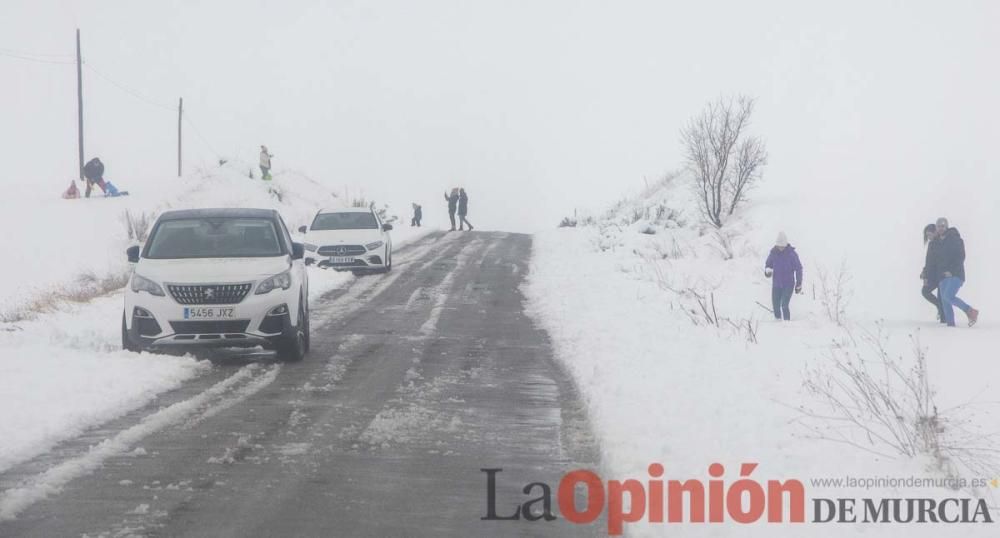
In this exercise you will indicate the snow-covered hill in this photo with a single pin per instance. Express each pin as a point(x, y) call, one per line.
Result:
point(664, 324)
point(51, 242)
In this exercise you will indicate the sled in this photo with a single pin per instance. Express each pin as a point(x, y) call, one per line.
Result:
point(110, 191)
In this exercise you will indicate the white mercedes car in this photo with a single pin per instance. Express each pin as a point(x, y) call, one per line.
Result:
point(349, 239)
point(218, 277)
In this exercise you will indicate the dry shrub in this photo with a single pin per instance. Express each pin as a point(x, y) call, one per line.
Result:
point(87, 286)
point(873, 401)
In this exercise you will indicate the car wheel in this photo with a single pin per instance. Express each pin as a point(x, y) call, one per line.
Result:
point(308, 334)
point(293, 347)
point(388, 261)
point(127, 343)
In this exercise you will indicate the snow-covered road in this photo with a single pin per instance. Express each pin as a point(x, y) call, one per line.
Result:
point(416, 381)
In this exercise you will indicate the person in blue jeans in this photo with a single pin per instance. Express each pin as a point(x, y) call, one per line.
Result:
point(933, 244)
point(785, 271)
point(949, 267)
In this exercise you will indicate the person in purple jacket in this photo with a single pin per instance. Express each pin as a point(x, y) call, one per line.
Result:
point(785, 271)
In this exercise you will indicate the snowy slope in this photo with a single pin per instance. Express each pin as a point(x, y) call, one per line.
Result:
point(664, 385)
point(63, 370)
point(56, 240)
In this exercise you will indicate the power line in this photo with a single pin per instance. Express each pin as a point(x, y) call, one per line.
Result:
point(128, 90)
point(187, 118)
point(37, 54)
point(70, 60)
point(21, 56)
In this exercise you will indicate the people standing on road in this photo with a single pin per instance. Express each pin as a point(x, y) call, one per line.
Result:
point(463, 210)
point(950, 267)
point(265, 163)
point(418, 213)
point(929, 274)
point(93, 171)
point(785, 271)
point(452, 200)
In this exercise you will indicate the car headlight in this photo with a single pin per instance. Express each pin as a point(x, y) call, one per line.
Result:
point(373, 246)
point(278, 281)
point(141, 283)
point(310, 247)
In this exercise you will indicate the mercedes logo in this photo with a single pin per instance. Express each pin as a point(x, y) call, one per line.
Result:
point(341, 250)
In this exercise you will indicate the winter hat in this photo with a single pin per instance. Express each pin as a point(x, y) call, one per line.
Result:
point(782, 240)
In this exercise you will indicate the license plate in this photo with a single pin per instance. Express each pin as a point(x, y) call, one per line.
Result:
point(341, 259)
point(208, 313)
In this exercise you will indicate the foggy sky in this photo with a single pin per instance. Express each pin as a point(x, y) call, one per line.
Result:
point(535, 107)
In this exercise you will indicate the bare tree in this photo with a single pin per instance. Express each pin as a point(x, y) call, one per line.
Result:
point(724, 160)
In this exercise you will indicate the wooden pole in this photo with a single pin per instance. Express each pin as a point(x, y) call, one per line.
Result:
point(180, 115)
point(79, 99)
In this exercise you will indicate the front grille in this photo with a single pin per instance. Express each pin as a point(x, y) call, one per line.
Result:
point(208, 293)
point(341, 250)
point(210, 327)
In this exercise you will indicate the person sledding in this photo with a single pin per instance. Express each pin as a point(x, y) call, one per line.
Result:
point(93, 171)
point(72, 192)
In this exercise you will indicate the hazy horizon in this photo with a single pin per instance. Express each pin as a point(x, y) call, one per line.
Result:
point(536, 108)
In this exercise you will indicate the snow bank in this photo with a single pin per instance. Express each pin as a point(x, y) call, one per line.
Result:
point(62, 371)
point(617, 296)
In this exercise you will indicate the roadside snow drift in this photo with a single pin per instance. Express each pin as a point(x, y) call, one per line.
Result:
point(61, 362)
point(665, 325)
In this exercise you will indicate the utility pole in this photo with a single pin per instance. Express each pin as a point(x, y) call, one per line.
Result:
point(180, 115)
point(79, 100)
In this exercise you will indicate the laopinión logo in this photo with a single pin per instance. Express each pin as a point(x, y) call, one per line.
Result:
point(713, 501)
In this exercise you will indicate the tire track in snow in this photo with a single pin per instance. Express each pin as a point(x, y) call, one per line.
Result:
point(411, 414)
point(430, 326)
point(247, 381)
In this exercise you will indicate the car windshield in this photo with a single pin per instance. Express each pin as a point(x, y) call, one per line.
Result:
point(344, 221)
point(213, 237)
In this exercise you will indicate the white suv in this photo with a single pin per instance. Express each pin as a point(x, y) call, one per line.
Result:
point(218, 277)
point(349, 239)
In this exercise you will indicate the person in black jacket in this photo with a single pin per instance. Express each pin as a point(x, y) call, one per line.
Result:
point(950, 267)
point(418, 213)
point(463, 210)
point(929, 273)
point(452, 200)
point(94, 172)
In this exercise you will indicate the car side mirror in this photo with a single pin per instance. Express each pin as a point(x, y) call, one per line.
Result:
point(302, 229)
point(298, 251)
point(133, 254)
point(386, 227)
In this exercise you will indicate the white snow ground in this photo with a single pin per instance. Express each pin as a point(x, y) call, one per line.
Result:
point(661, 388)
point(63, 371)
